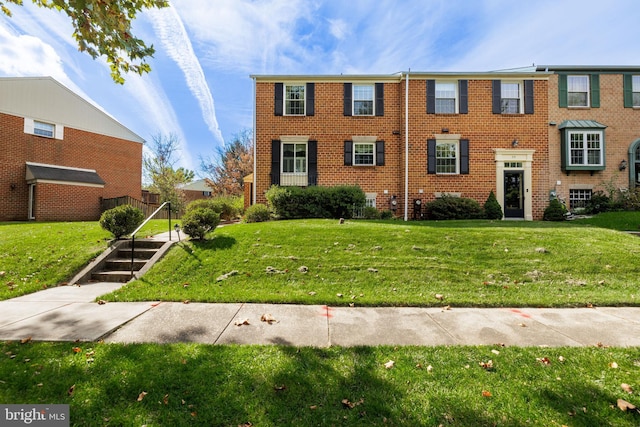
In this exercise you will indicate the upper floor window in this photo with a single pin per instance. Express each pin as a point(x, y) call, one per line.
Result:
point(44, 129)
point(578, 91)
point(447, 97)
point(631, 90)
point(294, 100)
point(512, 97)
point(364, 99)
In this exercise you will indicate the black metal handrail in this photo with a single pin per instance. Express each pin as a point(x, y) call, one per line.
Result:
point(133, 235)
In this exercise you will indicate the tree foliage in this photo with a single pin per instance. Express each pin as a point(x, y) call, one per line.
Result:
point(103, 28)
point(158, 166)
point(225, 174)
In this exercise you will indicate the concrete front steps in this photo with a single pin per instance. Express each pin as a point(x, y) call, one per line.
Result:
point(114, 264)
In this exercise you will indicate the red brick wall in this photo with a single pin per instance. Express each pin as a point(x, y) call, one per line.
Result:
point(331, 128)
point(56, 202)
point(623, 129)
point(118, 162)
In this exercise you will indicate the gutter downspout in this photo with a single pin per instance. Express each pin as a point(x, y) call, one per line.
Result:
point(255, 172)
point(406, 148)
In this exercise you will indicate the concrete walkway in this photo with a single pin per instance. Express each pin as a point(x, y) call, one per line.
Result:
point(69, 313)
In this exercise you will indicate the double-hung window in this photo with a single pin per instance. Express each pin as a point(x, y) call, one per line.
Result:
point(447, 157)
point(445, 93)
point(363, 96)
point(585, 148)
point(578, 91)
point(44, 129)
point(363, 154)
point(510, 98)
point(631, 91)
point(294, 99)
point(294, 158)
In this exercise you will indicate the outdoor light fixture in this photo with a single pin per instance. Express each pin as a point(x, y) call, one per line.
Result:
point(177, 228)
point(13, 186)
point(623, 165)
point(396, 132)
point(514, 143)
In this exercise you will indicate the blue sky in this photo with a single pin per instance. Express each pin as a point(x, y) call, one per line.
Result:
point(200, 90)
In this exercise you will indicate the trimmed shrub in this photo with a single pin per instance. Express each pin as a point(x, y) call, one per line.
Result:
point(555, 211)
point(370, 213)
point(386, 214)
point(449, 207)
point(599, 202)
point(492, 208)
point(121, 220)
point(314, 201)
point(196, 223)
point(229, 208)
point(257, 213)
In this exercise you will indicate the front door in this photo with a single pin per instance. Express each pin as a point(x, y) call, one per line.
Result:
point(513, 194)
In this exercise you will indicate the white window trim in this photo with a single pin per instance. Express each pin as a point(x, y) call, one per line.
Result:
point(370, 199)
point(284, 97)
point(588, 91)
point(299, 179)
point(373, 148)
point(585, 148)
point(520, 84)
point(457, 144)
point(456, 100)
point(353, 100)
point(29, 127)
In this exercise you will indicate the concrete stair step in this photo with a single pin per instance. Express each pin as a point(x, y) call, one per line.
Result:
point(140, 253)
point(111, 276)
point(124, 264)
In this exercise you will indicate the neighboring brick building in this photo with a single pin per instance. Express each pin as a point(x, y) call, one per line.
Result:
point(406, 137)
point(196, 190)
point(60, 154)
point(594, 130)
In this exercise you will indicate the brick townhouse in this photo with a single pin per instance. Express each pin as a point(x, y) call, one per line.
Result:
point(61, 154)
point(408, 138)
point(594, 130)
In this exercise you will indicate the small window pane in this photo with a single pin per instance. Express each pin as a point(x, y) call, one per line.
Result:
point(43, 129)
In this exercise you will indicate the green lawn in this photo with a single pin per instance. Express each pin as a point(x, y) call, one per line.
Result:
point(190, 384)
point(37, 255)
point(394, 263)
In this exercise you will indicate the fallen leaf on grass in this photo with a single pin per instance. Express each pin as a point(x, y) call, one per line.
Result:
point(165, 399)
point(439, 297)
point(626, 387)
point(544, 360)
point(280, 387)
point(486, 393)
point(267, 318)
point(25, 340)
point(77, 349)
point(348, 404)
point(71, 390)
point(312, 293)
point(487, 365)
point(626, 406)
point(141, 396)
point(613, 365)
point(389, 364)
point(313, 407)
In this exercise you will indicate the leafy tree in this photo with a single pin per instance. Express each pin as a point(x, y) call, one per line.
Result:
point(233, 162)
point(103, 28)
point(159, 170)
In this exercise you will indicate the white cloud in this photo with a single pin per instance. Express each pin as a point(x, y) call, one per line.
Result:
point(177, 45)
point(338, 28)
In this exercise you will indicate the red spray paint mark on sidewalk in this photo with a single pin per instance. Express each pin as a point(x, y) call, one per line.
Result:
point(521, 314)
point(326, 312)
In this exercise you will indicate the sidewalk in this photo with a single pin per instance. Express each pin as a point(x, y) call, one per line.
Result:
point(68, 313)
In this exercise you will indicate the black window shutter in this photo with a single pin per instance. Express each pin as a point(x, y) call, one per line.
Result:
point(312, 161)
point(496, 96)
point(431, 96)
point(464, 156)
point(528, 96)
point(379, 153)
point(275, 162)
point(311, 95)
point(348, 94)
point(279, 93)
point(348, 153)
point(431, 156)
point(627, 89)
point(463, 89)
point(379, 99)
point(595, 90)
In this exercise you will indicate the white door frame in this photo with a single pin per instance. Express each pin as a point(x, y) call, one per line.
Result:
point(507, 159)
point(32, 201)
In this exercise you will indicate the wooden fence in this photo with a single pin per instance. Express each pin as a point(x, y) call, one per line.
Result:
point(146, 208)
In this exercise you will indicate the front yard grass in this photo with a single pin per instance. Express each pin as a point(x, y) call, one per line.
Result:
point(393, 263)
point(192, 384)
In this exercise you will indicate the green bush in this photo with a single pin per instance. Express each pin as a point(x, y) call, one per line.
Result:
point(492, 208)
point(370, 213)
point(257, 213)
point(314, 201)
point(121, 220)
point(555, 211)
point(386, 214)
point(196, 223)
point(228, 207)
point(599, 202)
point(450, 207)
